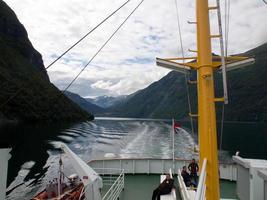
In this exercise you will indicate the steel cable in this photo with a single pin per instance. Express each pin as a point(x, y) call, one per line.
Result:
point(77, 76)
point(71, 47)
point(185, 75)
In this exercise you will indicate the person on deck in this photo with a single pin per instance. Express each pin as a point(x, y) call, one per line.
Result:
point(187, 178)
point(164, 188)
point(193, 168)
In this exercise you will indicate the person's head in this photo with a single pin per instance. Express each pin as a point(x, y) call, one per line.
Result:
point(184, 168)
point(193, 160)
point(168, 176)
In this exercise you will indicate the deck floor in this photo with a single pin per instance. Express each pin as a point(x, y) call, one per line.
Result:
point(141, 187)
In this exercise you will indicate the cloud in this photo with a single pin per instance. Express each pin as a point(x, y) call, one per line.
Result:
point(102, 84)
point(127, 63)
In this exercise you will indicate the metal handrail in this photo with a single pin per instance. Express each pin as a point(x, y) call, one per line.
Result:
point(201, 189)
point(114, 191)
point(109, 171)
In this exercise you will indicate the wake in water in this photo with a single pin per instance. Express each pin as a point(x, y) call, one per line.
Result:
point(92, 140)
point(127, 139)
point(154, 139)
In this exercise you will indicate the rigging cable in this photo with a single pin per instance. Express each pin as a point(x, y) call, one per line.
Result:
point(264, 1)
point(77, 76)
point(40, 73)
point(72, 46)
point(185, 75)
point(227, 21)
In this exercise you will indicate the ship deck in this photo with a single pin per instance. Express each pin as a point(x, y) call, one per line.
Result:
point(141, 186)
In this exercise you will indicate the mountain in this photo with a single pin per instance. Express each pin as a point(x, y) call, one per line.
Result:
point(26, 93)
point(107, 101)
point(248, 89)
point(83, 103)
point(167, 97)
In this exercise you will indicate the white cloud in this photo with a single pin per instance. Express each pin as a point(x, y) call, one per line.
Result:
point(126, 64)
point(102, 84)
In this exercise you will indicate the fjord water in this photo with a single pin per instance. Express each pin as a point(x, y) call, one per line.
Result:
point(35, 152)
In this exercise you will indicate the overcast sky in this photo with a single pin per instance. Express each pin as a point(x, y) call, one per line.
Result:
point(127, 63)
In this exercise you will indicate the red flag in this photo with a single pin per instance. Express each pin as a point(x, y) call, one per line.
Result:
point(176, 126)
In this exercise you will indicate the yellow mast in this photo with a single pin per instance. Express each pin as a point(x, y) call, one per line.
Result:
point(205, 64)
point(206, 102)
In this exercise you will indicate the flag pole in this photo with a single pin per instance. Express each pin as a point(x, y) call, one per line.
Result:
point(173, 167)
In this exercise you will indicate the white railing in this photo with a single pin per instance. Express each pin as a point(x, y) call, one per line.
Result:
point(108, 171)
point(113, 178)
point(108, 175)
point(156, 166)
point(201, 188)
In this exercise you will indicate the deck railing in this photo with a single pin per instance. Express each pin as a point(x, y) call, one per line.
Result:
point(201, 188)
point(156, 166)
point(113, 178)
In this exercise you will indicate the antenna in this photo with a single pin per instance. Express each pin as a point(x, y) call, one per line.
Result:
point(224, 78)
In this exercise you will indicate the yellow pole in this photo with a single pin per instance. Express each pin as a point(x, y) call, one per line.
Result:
point(206, 103)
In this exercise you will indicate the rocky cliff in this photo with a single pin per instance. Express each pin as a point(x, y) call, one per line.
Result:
point(16, 37)
point(26, 93)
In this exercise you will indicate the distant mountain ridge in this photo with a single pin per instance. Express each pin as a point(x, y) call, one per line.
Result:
point(84, 104)
point(107, 101)
point(23, 75)
point(167, 97)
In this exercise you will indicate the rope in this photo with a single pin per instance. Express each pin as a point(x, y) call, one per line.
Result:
point(185, 75)
point(40, 73)
point(264, 1)
point(111, 14)
point(77, 76)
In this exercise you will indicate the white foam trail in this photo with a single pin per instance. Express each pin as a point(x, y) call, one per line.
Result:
point(136, 142)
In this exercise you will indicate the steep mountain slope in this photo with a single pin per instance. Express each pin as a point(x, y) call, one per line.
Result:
point(22, 71)
point(248, 89)
point(83, 103)
point(167, 97)
point(160, 100)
